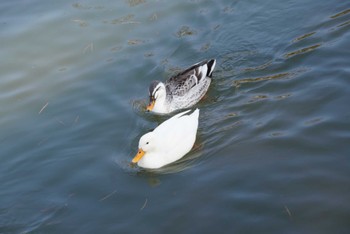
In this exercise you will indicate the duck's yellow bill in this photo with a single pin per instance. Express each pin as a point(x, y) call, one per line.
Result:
point(138, 156)
point(151, 105)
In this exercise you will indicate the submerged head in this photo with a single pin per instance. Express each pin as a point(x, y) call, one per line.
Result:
point(146, 144)
point(157, 94)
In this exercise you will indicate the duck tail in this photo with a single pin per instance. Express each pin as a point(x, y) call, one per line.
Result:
point(211, 65)
point(196, 113)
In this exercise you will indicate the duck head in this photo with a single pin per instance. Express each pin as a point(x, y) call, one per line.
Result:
point(146, 144)
point(157, 96)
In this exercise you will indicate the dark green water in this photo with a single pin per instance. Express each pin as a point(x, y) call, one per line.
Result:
point(273, 148)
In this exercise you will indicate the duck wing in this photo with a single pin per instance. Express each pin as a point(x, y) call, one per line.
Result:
point(181, 83)
point(180, 130)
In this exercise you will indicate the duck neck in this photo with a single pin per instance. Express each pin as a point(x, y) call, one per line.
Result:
point(161, 105)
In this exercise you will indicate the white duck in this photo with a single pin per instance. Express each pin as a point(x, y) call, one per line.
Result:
point(182, 90)
point(169, 142)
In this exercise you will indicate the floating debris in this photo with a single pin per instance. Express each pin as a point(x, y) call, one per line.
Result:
point(237, 83)
point(144, 204)
point(258, 98)
point(135, 42)
point(108, 195)
point(288, 211)
point(133, 3)
point(149, 54)
point(276, 134)
point(61, 122)
point(228, 10)
point(154, 17)
point(302, 51)
point(164, 61)
point(116, 49)
point(185, 31)
point(280, 97)
point(88, 47)
point(233, 125)
point(43, 108)
point(82, 23)
point(233, 114)
point(258, 68)
point(313, 121)
point(216, 27)
point(80, 6)
point(76, 119)
point(86, 7)
point(205, 47)
point(128, 19)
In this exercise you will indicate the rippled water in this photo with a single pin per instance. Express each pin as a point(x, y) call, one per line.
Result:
point(272, 153)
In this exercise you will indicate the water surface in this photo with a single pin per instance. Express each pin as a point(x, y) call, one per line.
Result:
point(272, 150)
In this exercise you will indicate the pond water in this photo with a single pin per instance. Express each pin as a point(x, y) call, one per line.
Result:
point(272, 153)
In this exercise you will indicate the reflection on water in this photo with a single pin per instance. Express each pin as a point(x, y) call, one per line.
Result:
point(304, 36)
point(302, 51)
point(347, 11)
point(260, 67)
point(238, 83)
point(344, 24)
point(309, 35)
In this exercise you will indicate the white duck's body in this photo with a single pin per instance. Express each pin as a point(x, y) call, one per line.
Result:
point(182, 90)
point(169, 142)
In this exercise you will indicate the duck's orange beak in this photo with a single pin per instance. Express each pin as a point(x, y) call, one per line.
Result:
point(138, 156)
point(151, 105)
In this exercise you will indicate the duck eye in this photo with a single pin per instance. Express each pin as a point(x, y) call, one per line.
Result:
point(147, 143)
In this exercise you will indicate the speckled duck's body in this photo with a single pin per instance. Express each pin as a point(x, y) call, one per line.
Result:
point(182, 90)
